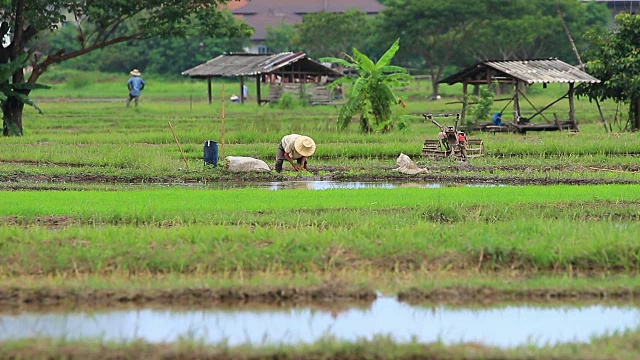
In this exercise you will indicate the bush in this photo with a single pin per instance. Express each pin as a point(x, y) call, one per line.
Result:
point(286, 101)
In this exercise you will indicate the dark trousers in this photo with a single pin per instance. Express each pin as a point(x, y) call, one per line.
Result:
point(280, 158)
point(133, 97)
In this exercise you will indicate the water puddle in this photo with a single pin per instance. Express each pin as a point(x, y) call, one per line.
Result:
point(326, 185)
point(506, 326)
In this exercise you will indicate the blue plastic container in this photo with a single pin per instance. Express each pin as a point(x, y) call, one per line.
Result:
point(211, 152)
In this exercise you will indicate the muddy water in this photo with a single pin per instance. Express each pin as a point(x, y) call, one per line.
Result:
point(504, 327)
point(325, 185)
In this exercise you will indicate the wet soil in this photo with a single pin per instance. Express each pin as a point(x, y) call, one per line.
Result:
point(487, 295)
point(59, 182)
point(330, 293)
point(440, 172)
point(330, 296)
point(47, 297)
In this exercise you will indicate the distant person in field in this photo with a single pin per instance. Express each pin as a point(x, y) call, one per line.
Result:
point(295, 147)
point(135, 85)
point(245, 92)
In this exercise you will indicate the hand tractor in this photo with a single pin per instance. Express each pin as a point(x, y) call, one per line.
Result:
point(451, 142)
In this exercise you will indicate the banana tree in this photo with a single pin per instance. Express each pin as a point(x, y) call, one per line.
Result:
point(14, 94)
point(371, 92)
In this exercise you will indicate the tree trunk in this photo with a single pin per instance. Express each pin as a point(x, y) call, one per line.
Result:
point(634, 114)
point(12, 117)
point(436, 88)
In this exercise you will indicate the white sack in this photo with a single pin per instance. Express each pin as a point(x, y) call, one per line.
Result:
point(407, 166)
point(246, 164)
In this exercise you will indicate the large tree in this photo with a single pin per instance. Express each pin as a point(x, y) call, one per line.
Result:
point(528, 29)
point(434, 30)
point(98, 23)
point(281, 38)
point(330, 34)
point(160, 55)
point(442, 35)
point(614, 58)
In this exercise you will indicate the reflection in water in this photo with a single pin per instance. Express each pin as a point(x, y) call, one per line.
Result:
point(325, 185)
point(504, 327)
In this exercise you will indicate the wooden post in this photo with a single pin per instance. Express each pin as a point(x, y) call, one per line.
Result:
point(544, 108)
point(538, 112)
point(209, 90)
point(572, 110)
point(604, 122)
point(555, 116)
point(222, 127)
point(242, 89)
point(179, 147)
point(464, 103)
point(516, 104)
point(258, 94)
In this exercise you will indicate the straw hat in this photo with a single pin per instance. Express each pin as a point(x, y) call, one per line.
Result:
point(135, 72)
point(304, 146)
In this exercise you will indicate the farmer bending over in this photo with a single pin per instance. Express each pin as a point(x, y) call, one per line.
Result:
point(295, 147)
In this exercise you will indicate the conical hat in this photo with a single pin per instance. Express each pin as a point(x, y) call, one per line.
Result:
point(304, 145)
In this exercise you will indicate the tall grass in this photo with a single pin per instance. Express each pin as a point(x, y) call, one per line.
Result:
point(186, 231)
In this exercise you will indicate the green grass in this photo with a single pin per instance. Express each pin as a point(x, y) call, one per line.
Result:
point(128, 212)
point(107, 139)
point(622, 346)
point(534, 228)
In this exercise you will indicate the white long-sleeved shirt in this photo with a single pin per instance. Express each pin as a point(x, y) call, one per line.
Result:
point(287, 145)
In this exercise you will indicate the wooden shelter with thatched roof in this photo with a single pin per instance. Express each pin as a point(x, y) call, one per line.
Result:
point(284, 72)
point(522, 73)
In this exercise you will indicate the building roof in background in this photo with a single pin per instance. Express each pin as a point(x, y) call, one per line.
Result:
point(260, 22)
point(233, 4)
point(528, 71)
point(244, 64)
point(308, 6)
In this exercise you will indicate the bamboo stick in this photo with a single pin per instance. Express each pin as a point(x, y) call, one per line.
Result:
point(612, 170)
point(179, 147)
point(222, 128)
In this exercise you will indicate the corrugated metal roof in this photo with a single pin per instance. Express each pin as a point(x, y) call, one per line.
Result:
point(529, 71)
point(243, 64)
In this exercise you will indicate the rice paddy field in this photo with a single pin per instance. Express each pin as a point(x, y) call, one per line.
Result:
point(99, 206)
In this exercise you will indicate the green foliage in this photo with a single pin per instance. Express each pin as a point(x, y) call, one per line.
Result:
point(481, 111)
point(325, 34)
point(597, 15)
point(612, 345)
point(371, 92)
point(285, 102)
point(160, 55)
point(281, 38)
point(438, 33)
point(614, 59)
point(9, 89)
point(96, 25)
point(433, 31)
